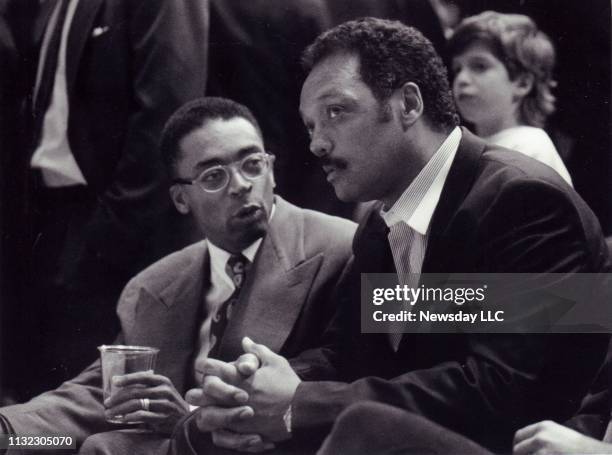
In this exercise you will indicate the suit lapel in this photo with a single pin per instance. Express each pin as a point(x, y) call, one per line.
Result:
point(276, 286)
point(42, 19)
point(174, 326)
point(80, 31)
point(459, 181)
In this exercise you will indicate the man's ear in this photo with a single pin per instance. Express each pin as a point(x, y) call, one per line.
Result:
point(411, 104)
point(523, 84)
point(271, 159)
point(179, 199)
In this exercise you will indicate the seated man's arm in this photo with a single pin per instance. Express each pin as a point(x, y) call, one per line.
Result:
point(74, 409)
point(321, 363)
point(499, 375)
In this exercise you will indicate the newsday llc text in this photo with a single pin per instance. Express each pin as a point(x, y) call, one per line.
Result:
point(483, 303)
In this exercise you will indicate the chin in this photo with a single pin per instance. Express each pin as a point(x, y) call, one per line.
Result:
point(254, 232)
point(351, 194)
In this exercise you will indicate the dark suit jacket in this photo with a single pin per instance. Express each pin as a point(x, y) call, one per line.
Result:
point(286, 302)
point(499, 212)
point(129, 65)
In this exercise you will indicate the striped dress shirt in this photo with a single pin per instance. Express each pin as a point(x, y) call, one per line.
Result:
point(409, 218)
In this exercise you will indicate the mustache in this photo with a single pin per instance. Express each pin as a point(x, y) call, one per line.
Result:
point(334, 162)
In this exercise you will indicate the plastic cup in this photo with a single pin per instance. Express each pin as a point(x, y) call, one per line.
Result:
point(118, 360)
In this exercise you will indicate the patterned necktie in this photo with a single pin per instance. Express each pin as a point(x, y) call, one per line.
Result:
point(235, 268)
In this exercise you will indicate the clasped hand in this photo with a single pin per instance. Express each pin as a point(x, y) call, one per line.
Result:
point(243, 402)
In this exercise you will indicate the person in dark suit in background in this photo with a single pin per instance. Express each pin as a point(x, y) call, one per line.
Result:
point(9, 108)
point(292, 261)
point(383, 124)
point(108, 75)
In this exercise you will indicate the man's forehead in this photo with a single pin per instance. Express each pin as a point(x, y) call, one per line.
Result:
point(220, 140)
point(335, 75)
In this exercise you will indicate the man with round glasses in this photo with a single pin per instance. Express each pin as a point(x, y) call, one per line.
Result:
point(266, 269)
point(217, 177)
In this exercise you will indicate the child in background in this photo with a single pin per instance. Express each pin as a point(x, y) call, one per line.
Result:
point(502, 67)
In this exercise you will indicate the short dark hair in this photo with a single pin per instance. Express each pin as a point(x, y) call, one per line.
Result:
point(516, 41)
point(391, 54)
point(194, 115)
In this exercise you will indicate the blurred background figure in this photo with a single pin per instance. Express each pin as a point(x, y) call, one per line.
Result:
point(103, 76)
point(580, 127)
point(8, 129)
point(12, 93)
point(501, 67)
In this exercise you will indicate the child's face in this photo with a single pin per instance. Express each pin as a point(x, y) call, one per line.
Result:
point(483, 91)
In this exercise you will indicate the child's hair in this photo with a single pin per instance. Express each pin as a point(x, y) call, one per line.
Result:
point(518, 43)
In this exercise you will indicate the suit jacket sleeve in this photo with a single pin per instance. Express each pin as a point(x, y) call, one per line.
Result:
point(74, 409)
point(321, 362)
point(500, 380)
point(169, 41)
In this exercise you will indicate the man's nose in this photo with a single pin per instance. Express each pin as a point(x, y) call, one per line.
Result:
point(320, 145)
point(238, 184)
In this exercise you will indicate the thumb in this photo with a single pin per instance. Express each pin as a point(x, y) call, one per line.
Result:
point(263, 353)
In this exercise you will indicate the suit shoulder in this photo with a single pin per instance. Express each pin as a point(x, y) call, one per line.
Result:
point(512, 166)
point(335, 226)
point(156, 277)
point(326, 232)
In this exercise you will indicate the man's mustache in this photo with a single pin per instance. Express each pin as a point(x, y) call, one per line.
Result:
point(332, 162)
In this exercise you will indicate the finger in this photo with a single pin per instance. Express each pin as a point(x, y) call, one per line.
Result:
point(135, 392)
point(126, 394)
point(263, 448)
point(195, 397)
point(217, 391)
point(141, 415)
point(247, 364)
point(236, 441)
point(525, 447)
point(263, 353)
point(224, 370)
point(212, 418)
point(126, 407)
point(141, 377)
point(527, 432)
point(162, 406)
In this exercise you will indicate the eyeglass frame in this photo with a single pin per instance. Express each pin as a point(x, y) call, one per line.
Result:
point(237, 164)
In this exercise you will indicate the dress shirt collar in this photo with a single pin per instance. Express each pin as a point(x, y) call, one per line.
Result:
point(416, 205)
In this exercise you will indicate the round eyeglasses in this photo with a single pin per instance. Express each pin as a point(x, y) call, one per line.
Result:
point(217, 177)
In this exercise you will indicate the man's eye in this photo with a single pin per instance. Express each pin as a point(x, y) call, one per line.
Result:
point(213, 175)
point(253, 164)
point(334, 111)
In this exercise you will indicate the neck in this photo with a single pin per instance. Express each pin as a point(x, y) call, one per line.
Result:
point(418, 154)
